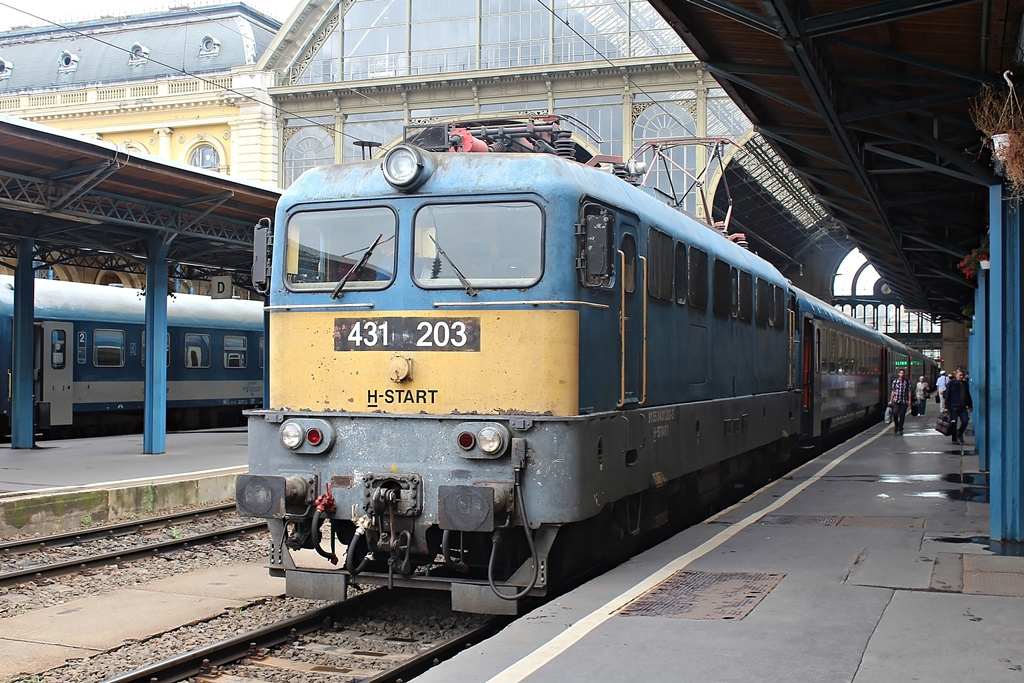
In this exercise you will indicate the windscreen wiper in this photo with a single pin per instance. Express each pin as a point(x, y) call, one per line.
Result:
point(458, 273)
point(354, 270)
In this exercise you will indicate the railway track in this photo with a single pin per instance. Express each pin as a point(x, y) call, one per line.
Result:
point(329, 643)
point(57, 554)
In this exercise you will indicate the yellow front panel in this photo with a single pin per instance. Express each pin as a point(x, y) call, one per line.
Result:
point(527, 362)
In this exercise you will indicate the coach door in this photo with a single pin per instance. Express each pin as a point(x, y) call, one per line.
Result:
point(632, 319)
point(55, 367)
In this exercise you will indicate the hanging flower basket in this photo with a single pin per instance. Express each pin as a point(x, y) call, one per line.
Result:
point(997, 113)
point(976, 261)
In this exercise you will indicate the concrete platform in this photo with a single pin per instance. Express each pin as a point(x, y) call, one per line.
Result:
point(42, 639)
point(869, 564)
point(61, 485)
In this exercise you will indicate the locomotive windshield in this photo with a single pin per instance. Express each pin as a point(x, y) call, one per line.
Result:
point(494, 244)
point(323, 246)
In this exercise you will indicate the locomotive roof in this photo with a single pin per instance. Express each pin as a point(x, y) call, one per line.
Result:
point(58, 300)
point(476, 174)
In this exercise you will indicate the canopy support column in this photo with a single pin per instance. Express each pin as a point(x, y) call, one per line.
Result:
point(155, 418)
point(1005, 411)
point(23, 356)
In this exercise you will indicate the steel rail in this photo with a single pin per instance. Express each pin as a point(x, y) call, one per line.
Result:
point(113, 530)
point(58, 568)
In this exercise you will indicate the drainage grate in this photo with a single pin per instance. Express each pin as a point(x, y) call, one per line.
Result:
point(884, 522)
point(838, 520)
point(800, 520)
point(704, 595)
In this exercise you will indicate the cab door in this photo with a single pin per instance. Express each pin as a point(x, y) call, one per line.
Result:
point(56, 383)
point(632, 320)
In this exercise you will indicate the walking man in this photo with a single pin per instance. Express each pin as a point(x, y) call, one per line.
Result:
point(899, 401)
point(959, 404)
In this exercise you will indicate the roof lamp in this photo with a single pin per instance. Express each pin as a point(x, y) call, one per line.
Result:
point(405, 168)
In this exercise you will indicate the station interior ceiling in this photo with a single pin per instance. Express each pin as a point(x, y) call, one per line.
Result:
point(870, 106)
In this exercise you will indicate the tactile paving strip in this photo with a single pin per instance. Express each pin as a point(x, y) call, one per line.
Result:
point(704, 595)
point(847, 520)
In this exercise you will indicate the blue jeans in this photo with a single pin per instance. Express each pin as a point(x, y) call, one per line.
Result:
point(958, 416)
point(922, 403)
point(899, 415)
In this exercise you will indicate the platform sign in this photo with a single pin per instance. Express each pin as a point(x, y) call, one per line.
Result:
point(220, 287)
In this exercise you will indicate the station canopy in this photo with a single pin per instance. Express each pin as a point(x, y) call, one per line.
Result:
point(92, 204)
point(869, 104)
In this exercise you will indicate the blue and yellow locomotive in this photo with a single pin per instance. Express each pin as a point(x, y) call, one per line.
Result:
point(492, 365)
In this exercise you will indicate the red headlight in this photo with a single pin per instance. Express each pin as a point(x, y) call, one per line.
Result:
point(314, 437)
point(466, 440)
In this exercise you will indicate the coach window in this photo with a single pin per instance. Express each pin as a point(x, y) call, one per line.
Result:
point(660, 263)
point(697, 278)
point(722, 289)
point(142, 356)
point(108, 348)
point(680, 273)
point(480, 244)
point(323, 246)
point(746, 294)
point(262, 351)
point(58, 349)
point(832, 352)
point(234, 351)
point(197, 350)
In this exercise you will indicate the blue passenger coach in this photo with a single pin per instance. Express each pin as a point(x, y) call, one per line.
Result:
point(89, 360)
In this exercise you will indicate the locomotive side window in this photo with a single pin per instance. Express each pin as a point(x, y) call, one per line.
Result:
point(746, 294)
point(58, 349)
point(142, 356)
point(108, 348)
point(661, 259)
point(596, 250)
point(764, 303)
point(234, 351)
point(680, 274)
point(698, 278)
point(197, 350)
point(629, 263)
point(323, 246)
point(722, 288)
point(492, 244)
point(780, 307)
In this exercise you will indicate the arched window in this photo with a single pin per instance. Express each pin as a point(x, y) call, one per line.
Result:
point(308, 147)
point(662, 118)
point(205, 156)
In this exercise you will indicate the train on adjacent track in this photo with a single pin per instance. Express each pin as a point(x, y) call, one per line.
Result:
point(493, 365)
point(89, 367)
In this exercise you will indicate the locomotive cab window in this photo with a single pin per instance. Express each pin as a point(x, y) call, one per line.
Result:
point(108, 348)
point(484, 244)
point(326, 246)
point(197, 350)
point(234, 351)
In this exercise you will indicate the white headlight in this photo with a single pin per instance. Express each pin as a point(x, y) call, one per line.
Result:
point(490, 440)
point(291, 435)
point(402, 167)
